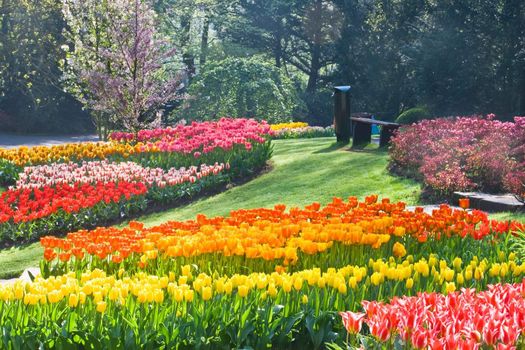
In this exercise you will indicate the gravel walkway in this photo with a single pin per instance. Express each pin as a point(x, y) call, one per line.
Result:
point(12, 140)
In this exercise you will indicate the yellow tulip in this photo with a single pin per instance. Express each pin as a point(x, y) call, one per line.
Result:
point(114, 294)
point(478, 273)
point(460, 279)
point(188, 295)
point(399, 231)
point(206, 293)
point(450, 287)
point(228, 287)
point(178, 295)
point(287, 286)
point(352, 282)
point(73, 300)
point(376, 278)
point(186, 270)
point(158, 296)
point(298, 283)
point(101, 306)
point(457, 263)
point(272, 291)
point(242, 291)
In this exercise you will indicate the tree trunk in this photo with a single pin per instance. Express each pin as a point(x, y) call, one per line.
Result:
point(187, 57)
point(4, 13)
point(522, 91)
point(314, 69)
point(278, 52)
point(204, 41)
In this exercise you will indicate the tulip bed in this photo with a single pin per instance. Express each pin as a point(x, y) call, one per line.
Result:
point(278, 278)
point(240, 142)
point(63, 197)
point(64, 188)
point(299, 130)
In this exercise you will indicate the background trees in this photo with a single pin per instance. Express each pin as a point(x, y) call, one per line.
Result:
point(240, 87)
point(451, 56)
point(31, 94)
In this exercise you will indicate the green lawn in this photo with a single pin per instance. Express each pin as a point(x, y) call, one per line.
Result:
point(303, 171)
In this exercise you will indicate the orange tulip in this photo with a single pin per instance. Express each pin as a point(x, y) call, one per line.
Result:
point(464, 203)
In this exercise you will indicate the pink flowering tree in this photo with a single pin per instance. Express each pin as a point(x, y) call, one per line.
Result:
point(121, 64)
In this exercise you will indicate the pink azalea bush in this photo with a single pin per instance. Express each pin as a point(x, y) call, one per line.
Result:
point(458, 320)
point(515, 179)
point(459, 153)
point(105, 172)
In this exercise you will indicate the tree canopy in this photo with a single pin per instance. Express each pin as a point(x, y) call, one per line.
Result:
point(450, 57)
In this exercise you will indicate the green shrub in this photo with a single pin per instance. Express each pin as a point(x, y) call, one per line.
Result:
point(8, 172)
point(240, 87)
point(413, 115)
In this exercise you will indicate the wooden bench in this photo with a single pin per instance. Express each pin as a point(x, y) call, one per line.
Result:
point(362, 131)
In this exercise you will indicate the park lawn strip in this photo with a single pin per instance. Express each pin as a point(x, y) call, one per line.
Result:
point(16, 259)
point(303, 171)
point(508, 216)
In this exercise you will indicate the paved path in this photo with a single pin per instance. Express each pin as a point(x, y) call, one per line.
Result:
point(12, 140)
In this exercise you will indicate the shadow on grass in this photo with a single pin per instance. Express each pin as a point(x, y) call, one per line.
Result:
point(368, 148)
point(333, 147)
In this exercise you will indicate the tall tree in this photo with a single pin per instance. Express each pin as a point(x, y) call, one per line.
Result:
point(188, 24)
point(31, 96)
point(122, 65)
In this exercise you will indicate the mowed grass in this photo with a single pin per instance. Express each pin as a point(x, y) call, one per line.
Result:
point(303, 171)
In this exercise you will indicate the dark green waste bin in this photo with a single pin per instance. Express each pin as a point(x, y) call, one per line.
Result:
point(342, 113)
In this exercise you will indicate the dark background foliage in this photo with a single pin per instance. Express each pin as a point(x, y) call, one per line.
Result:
point(449, 56)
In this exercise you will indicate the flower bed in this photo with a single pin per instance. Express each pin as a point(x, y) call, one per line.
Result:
point(264, 278)
point(105, 171)
point(458, 320)
point(300, 131)
point(461, 154)
point(243, 143)
point(66, 189)
point(291, 125)
point(63, 197)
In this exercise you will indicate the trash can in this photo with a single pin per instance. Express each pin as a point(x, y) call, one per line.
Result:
point(342, 113)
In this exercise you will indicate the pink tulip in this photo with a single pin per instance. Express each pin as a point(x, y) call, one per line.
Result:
point(352, 321)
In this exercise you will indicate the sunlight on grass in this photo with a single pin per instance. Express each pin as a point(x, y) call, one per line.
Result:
point(15, 260)
point(305, 171)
